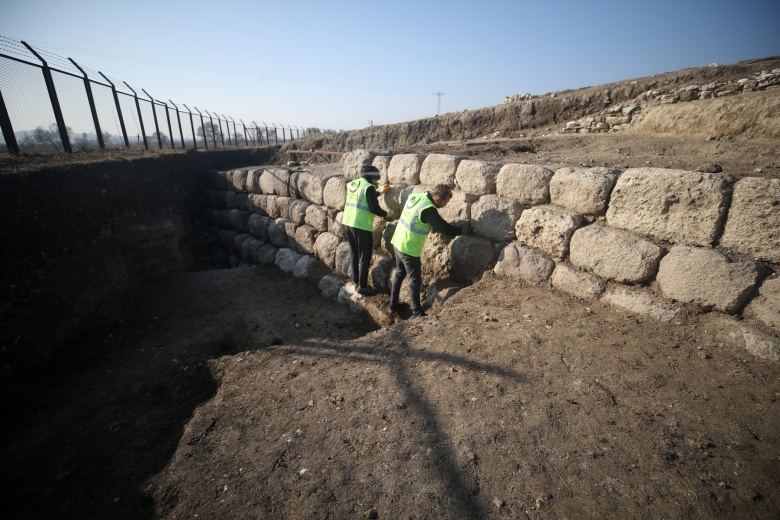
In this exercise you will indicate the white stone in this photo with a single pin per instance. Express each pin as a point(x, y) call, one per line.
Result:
point(478, 177)
point(523, 264)
point(527, 184)
point(766, 306)
point(614, 254)
point(640, 302)
point(548, 230)
point(495, 217)
point(582, 190)
point(753, 225)
point(334, 195)
point(577, 283)
point(404, 169)
point(439, 169)
point(286, 259)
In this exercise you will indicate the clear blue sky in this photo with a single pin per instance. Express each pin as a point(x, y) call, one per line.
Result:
point(338, 64)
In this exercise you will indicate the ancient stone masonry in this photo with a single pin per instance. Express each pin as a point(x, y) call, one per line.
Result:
point(649, 241)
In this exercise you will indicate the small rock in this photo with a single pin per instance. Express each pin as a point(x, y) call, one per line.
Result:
point(498, 503)
point(710, 168)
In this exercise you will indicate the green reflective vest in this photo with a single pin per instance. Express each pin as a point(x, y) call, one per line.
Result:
point(410, 233)
point(357, 214)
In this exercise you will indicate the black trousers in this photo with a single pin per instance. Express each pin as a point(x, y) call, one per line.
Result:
point(361, 245)
point(412, 266)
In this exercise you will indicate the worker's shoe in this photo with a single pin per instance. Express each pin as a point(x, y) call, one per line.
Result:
point(367, 291)
point(419, 314)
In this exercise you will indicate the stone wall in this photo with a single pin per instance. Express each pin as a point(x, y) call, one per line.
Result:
point(649, 241)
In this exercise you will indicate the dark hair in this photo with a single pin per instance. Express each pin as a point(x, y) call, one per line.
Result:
point(442, 191)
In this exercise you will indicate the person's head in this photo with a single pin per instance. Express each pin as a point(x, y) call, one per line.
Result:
point(441, 195)
point(371, 174)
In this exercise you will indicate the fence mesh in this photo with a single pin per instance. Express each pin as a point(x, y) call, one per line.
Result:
point(75, 110)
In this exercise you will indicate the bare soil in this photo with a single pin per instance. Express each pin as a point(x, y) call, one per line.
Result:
point(242, 393)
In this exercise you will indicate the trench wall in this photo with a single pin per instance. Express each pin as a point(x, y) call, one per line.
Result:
point(649, 241)
point(78, 239)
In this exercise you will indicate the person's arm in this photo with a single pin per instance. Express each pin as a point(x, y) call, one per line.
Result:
point(372, 198)
point(431, 216)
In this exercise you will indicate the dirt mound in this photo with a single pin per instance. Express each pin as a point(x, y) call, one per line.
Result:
point(750, 115)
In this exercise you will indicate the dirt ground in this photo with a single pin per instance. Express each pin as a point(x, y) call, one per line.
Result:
point(242, 393)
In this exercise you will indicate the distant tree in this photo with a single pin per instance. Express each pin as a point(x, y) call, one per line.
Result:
point(163, 138)
point(210, 131)
point(47, 136)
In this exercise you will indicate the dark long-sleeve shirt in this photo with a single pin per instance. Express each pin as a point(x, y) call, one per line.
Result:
point(431, 216)
point(372, 199)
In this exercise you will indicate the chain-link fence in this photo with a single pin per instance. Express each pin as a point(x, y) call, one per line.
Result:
point(51, 104)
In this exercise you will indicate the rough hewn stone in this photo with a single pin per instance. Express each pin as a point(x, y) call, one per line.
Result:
point(458, 210)
point(583, 190)
point(266, 255)
point(439, 169)
point(355, 160)
point(470, 257)
point(478, 177)
point(297, 211)
point(614, 254)
point(527, 184)
point(523, 264)
point(334, 195)
point(707, 278)
point(286, 259)
point(677, 206)
point(548, 230)
point(753, 225)
point(317, 217)
point(766, 306)
point(640, 302)
point(311, 186)
point(325, 248)
point(404, 169)
point(330, 286)
point(304, 239)
point(495, 217)
point(577, 283)
point(275, 181)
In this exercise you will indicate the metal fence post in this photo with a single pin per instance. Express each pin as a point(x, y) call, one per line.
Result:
point(154, 114)
point(258, 134)
point(192, 125)
point(91, 100)
point(55, 102)
point(221, 132)
point(7, 128)
point(170, 129)
point(118, 110)
point(181, 134)
point(235, 134)
point(246, 136)
point(213, 133)
point(203, 127)
point(227, 126)
point(140, 118)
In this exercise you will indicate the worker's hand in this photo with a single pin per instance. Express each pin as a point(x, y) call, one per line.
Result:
point(385, 188)
point(389, 217)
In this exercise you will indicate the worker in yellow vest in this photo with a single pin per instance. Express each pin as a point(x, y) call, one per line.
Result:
point(361, 206)
point(419, 215)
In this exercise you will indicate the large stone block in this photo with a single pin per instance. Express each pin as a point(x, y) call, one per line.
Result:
point(249, 250)
point(325, 248)
point(382, 163)
point(310, 268)
point(766, 306)
point(548, 230)
point(523, 264)
point(277, 232)
point(304, 239)
point(297, 211)
point(354, 161)
point(470, 257)
point(266, 255)
point(237, 179)
point(404, 169)
point(330, 286)
point(527, 184)
point(577, 283)
point(311, 186)
point(275, 181)
point(317, 217)
point(439, 169)
point(676, 206)
point(583, 190)
point(753, 225)
point(706, 277)
point(343, 262)
point(286, 260)
point(253, 180)
point(335, 193)
point(757, 342)
point(336, 227)
point(640, 302)
point(258, 226)
point(239, 220)
point(282, 208)
point(458, 210)
point(614, 254)
point(495, 217)
point(477, 177)
point(265, 204)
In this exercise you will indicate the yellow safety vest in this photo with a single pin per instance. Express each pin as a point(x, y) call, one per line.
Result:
point(411, 233)
point(357, 214)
